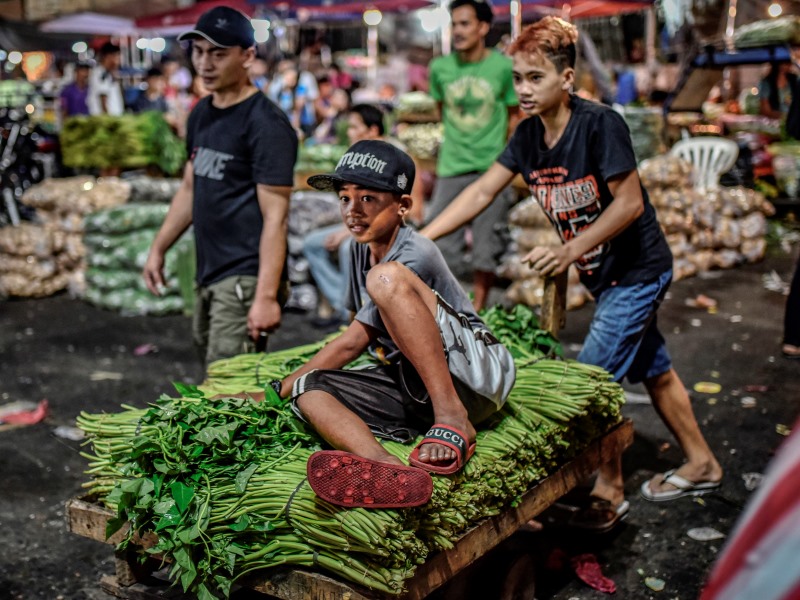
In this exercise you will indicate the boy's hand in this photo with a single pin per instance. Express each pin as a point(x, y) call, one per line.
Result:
point(547, 261)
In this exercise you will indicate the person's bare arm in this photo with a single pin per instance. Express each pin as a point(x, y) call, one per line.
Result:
point(472, 200)
point(335, 355)
point(417, 212)
point(265, 313)
point(767, 110)
point(627, 206)
point(178, 219)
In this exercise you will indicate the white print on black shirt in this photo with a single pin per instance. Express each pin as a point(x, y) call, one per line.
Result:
point(210, 163)
point(571, 205)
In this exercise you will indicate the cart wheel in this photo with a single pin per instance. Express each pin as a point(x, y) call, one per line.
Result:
point(520, 582)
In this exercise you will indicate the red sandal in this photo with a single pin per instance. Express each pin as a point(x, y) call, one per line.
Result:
point(352, 481)
point(446, 436)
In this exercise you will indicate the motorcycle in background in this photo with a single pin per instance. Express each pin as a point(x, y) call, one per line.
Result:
point(27, 156)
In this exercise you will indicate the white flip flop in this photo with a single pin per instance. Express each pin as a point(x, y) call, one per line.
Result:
point(683, 486)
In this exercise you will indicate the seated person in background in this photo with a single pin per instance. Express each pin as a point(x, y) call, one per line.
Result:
point(775, 90)
point(258, 74)
point(412, 313)
point(333, 117)
point(364, 122)
point(152, 97)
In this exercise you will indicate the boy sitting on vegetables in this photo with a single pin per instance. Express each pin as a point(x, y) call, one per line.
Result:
point(442, 370)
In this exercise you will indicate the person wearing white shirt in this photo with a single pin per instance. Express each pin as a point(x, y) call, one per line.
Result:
point(105, 93)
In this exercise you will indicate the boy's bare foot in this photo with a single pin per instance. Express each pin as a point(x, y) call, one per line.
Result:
point(790, 351)
point(438, 453)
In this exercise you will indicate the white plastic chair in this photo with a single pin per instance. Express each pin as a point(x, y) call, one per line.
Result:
point(710, 157)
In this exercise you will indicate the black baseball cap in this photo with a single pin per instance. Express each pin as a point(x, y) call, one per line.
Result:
point(373, 164)
point(223, 26)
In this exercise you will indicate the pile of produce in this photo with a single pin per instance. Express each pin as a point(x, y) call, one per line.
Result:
point(530, 227)
point(705, 230)
point(781, 30)
point(309, 210)
point(316, 158)
point(45, 256)
point(421, 139)
point(647, 126)
point(129, 141)
point(416, 106)
point(222, 480)
point(118, 241)
point(151, 189)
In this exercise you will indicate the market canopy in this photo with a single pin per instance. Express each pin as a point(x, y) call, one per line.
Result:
point(89, 23)
point(26, 37)
point(575, 9)
point(174, 22)
point(321, 10)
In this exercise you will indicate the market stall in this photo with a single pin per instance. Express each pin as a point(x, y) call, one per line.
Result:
point(690, 111)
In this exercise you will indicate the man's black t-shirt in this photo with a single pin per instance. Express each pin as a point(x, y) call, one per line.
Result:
point(232, 150)
point(570, 183)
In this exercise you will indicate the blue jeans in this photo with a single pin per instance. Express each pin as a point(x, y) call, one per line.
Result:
point(623, 336)
point(331, 278)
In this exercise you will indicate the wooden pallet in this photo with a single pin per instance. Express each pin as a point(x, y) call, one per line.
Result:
point(89, 520)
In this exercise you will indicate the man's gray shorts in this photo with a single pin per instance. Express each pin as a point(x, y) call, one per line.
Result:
point(219, 324)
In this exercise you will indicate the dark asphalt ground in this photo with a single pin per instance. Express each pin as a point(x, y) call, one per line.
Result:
point(80, 358)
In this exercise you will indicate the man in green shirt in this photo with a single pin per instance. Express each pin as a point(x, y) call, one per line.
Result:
point(475, 91)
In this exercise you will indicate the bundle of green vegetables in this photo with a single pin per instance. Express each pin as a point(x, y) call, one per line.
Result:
point(117, 242)
point(125, 141)
point(222, 480)
point(319, 158)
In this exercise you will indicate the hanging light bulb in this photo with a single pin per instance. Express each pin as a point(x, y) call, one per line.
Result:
point(775, 10)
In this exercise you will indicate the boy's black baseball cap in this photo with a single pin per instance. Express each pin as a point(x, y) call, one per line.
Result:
point(223, 26)
point(372, 164)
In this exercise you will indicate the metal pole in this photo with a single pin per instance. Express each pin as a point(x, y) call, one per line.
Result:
point(372, 53)
point(727, 74)
point(730, 25)
point(515, 8)
point(650, 37)
point(446, 31)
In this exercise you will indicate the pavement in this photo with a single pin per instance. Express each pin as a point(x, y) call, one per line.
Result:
point(80, 358)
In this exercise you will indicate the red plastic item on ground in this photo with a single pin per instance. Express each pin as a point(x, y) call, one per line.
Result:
point(28, 417)
point(588, 570)
point(352, 481)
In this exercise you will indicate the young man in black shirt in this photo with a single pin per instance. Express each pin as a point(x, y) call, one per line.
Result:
point(576, 156)
point(235, 190)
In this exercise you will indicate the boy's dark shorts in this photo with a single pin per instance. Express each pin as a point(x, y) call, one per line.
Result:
point(392, 400)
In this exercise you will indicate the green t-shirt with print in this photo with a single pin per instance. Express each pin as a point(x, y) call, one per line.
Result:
point(475, 98)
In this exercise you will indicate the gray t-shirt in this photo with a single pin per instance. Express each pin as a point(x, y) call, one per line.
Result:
point(423, 257)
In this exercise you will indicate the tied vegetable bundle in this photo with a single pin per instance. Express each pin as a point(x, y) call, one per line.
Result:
point(126, 141)
point(222, 481)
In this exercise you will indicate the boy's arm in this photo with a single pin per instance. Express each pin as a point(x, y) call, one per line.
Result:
point(334, 355)
point(472, 200)
point(627, 206)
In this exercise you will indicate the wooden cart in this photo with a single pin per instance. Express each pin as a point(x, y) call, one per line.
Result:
point(89, 519)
